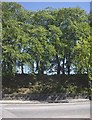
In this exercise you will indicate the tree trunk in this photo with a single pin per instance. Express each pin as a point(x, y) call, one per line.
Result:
point(9, 67)
point(37, 65)
point(42, 71)
point(63, 70)
point(22, 69)
point(58, 65)
point(68, 63)
point(32, 69)
point(68, 67)
point(40, 68)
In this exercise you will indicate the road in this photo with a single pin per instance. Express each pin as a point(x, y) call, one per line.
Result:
point(51, 110)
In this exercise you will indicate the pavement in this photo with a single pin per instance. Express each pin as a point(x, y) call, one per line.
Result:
point(74, 108)
point(51, 110)
point(42, 102)
point(46, 119)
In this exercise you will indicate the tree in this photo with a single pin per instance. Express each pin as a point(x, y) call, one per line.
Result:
point(43, 18)
point(46, 40)
point(39, 48)
point(68, 19)
point(14, 37)
point(83, 50)
point(54, 35)
point(82, 56)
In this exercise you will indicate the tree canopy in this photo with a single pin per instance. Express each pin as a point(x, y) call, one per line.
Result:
point(47, 41)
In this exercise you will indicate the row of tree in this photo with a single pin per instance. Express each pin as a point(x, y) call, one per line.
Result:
point(49, 40)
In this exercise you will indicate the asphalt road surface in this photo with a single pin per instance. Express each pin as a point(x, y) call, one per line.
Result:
point(51, 110)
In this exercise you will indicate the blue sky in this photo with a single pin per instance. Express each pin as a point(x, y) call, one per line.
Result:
point(41, 5)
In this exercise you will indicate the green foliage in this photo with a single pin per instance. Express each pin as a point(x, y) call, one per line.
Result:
point(46, 40)
point(71, 89)
point(82, 52)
